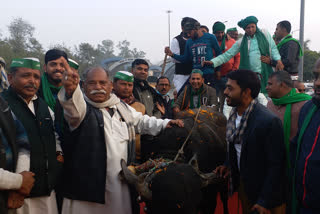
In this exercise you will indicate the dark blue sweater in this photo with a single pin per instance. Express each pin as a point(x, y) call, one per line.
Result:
point(308, 163)
point(198, 50)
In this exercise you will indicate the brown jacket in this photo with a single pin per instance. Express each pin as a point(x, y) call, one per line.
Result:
point(295, 111)
point(139, 107)
point(208, 98)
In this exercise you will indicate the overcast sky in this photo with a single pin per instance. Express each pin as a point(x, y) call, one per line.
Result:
point(144, 23)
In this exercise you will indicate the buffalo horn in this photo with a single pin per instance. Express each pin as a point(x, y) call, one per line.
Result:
point(206, 178)
point(138, 181)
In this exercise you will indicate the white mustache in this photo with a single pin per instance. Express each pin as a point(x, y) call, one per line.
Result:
point(97, 92)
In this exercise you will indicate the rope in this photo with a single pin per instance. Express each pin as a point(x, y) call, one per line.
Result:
point(180, 152)
point(184, 97)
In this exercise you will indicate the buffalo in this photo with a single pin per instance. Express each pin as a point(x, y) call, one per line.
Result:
point(183, 182)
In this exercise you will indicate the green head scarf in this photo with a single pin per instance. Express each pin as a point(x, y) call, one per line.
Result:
point(32, 63)
point(124, 75)
point(232, 29)
point(197, 71)
point(73, 64)
point(245, 22)
point(218, 26)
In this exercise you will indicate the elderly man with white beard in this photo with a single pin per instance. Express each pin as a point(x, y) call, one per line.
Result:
point(102, 131)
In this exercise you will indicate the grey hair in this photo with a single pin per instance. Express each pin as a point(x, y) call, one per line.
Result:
point(88, 70)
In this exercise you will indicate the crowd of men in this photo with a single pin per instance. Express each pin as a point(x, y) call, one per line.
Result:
point(61, 141)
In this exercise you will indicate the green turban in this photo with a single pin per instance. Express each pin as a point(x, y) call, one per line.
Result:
point(249, 20)
point(197, 71)
point(124, 75)
point(232, 29)
point(73, 64)
point(218, 26)
point(32, 63)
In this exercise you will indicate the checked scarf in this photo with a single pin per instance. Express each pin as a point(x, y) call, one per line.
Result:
point(235, 134)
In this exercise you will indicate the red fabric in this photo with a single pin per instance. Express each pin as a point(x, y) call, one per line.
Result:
point(233, 205)
point(306, 164)
point(234, 62)
point(142, 205)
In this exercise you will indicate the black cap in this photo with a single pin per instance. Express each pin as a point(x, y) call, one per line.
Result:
point(191, 24)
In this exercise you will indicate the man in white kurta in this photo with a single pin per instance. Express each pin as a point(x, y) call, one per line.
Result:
point(116, 135)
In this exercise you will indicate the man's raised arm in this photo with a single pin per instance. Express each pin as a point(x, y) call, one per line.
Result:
point(71, 98)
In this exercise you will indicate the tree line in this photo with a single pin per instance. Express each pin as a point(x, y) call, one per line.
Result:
point(21, 43)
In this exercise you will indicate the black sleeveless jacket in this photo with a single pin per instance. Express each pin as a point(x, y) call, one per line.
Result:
point(85, 152)
point(40, 131)
point(182, 68)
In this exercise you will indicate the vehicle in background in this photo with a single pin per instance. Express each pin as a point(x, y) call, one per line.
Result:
point(309, 88)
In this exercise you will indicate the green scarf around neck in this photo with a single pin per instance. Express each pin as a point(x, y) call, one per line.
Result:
point(196, 93)
point(289, 38)
point(47, 93)
point(288, 100)
point(264, 46)
point(223, 43)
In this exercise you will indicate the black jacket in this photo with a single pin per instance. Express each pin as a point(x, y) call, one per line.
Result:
point(168, 104)
point(289, 53)
point(262, 161)
point(148, 96)
point(59, 123)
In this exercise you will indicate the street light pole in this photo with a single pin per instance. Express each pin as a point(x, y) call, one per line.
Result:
point(169, 11)
point(301, 39)
point(166, 55)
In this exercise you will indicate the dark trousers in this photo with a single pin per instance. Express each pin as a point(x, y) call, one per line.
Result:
point(304, 210)
point(220, 86)
point(247, 205)
point(209, 79)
